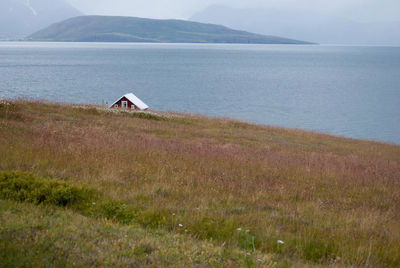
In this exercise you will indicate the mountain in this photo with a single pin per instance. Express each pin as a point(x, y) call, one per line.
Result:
point(131, 29)
point(326, 29)
point(19, 18)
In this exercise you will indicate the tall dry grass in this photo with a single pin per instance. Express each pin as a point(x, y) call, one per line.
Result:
point(331, 200)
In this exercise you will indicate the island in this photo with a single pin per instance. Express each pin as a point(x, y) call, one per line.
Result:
point(132, 29)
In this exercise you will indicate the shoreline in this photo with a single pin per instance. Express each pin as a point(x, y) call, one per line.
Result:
point(199, 115)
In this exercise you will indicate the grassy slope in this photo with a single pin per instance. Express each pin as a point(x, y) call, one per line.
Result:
point(333, 201)
point(131, 29)
point(34, 236)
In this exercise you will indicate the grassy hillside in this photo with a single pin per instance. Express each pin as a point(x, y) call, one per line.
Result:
point(88, 186)
point(131, 29)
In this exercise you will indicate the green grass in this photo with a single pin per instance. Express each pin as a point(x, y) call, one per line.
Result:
point(236, 187)
point(20, 233)
point(43, 236)
point(25, 187)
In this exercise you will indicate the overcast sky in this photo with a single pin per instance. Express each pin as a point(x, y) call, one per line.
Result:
point(360, 10)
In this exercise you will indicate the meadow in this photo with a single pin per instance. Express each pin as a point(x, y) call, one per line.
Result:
point(89, 186)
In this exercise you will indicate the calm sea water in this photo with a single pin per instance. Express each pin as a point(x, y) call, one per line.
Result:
point(347, 91)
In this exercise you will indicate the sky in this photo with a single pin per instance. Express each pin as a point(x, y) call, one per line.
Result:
point(358, 10)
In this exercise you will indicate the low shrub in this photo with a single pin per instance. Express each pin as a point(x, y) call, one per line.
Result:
point(143, 249)
point(154, 219)
point(85, 111)
point(26, 187)
point(118, 212)
point(147, 116)
point(9, 110)
point(317, 251)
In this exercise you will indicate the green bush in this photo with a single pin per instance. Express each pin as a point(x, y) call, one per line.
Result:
point(118, 212)
point(219, 229)
point(154, 219)
point(85, 111)
point(143, 249)
point(147, 116)
point(9, 110)
point(318, 251)
point(26, 187)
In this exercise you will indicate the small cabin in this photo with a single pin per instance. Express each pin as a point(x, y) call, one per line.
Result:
point(131, 102)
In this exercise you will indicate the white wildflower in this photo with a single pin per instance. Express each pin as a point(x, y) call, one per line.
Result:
point(239, 229)
point(280, 242)
point(180, 225)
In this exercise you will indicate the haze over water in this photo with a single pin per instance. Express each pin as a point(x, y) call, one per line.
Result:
point(346, 91)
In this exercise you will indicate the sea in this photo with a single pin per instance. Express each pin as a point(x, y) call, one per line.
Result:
point(350, 91)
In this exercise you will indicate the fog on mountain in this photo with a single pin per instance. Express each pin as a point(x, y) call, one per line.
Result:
point(313, 27)
point(19, 18)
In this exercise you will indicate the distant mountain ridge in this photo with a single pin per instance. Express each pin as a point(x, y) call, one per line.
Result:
point(132, 29)
point(19, 18)
point(313, 27)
